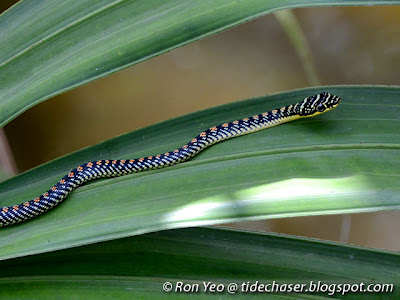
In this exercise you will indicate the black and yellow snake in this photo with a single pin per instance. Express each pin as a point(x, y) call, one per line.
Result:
point(308, 107)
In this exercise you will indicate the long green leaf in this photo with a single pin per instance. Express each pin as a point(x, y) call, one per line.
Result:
point(137, 267)
point(51, 46)
point(340, 162)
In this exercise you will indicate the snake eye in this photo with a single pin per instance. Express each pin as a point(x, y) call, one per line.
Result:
point(321, 107)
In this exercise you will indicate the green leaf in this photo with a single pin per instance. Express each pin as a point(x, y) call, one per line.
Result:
point(50, 46)
point(340, 162)
point(137, 267)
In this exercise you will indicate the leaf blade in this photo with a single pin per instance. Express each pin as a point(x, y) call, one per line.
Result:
point(342, 161)
point(138, 266)
point(54, 46)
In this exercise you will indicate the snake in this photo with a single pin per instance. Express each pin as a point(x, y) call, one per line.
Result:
point(309, 107)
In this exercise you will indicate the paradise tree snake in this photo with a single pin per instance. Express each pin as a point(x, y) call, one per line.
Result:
point(308, 107)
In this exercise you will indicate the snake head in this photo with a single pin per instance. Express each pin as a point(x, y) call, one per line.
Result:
point(317, 104)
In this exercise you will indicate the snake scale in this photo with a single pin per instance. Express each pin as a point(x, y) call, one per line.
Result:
point(308, 107)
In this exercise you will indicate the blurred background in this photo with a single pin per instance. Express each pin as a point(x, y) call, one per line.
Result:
point(358, 45)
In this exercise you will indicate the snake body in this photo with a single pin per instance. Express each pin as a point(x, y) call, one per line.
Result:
point(308, 107)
